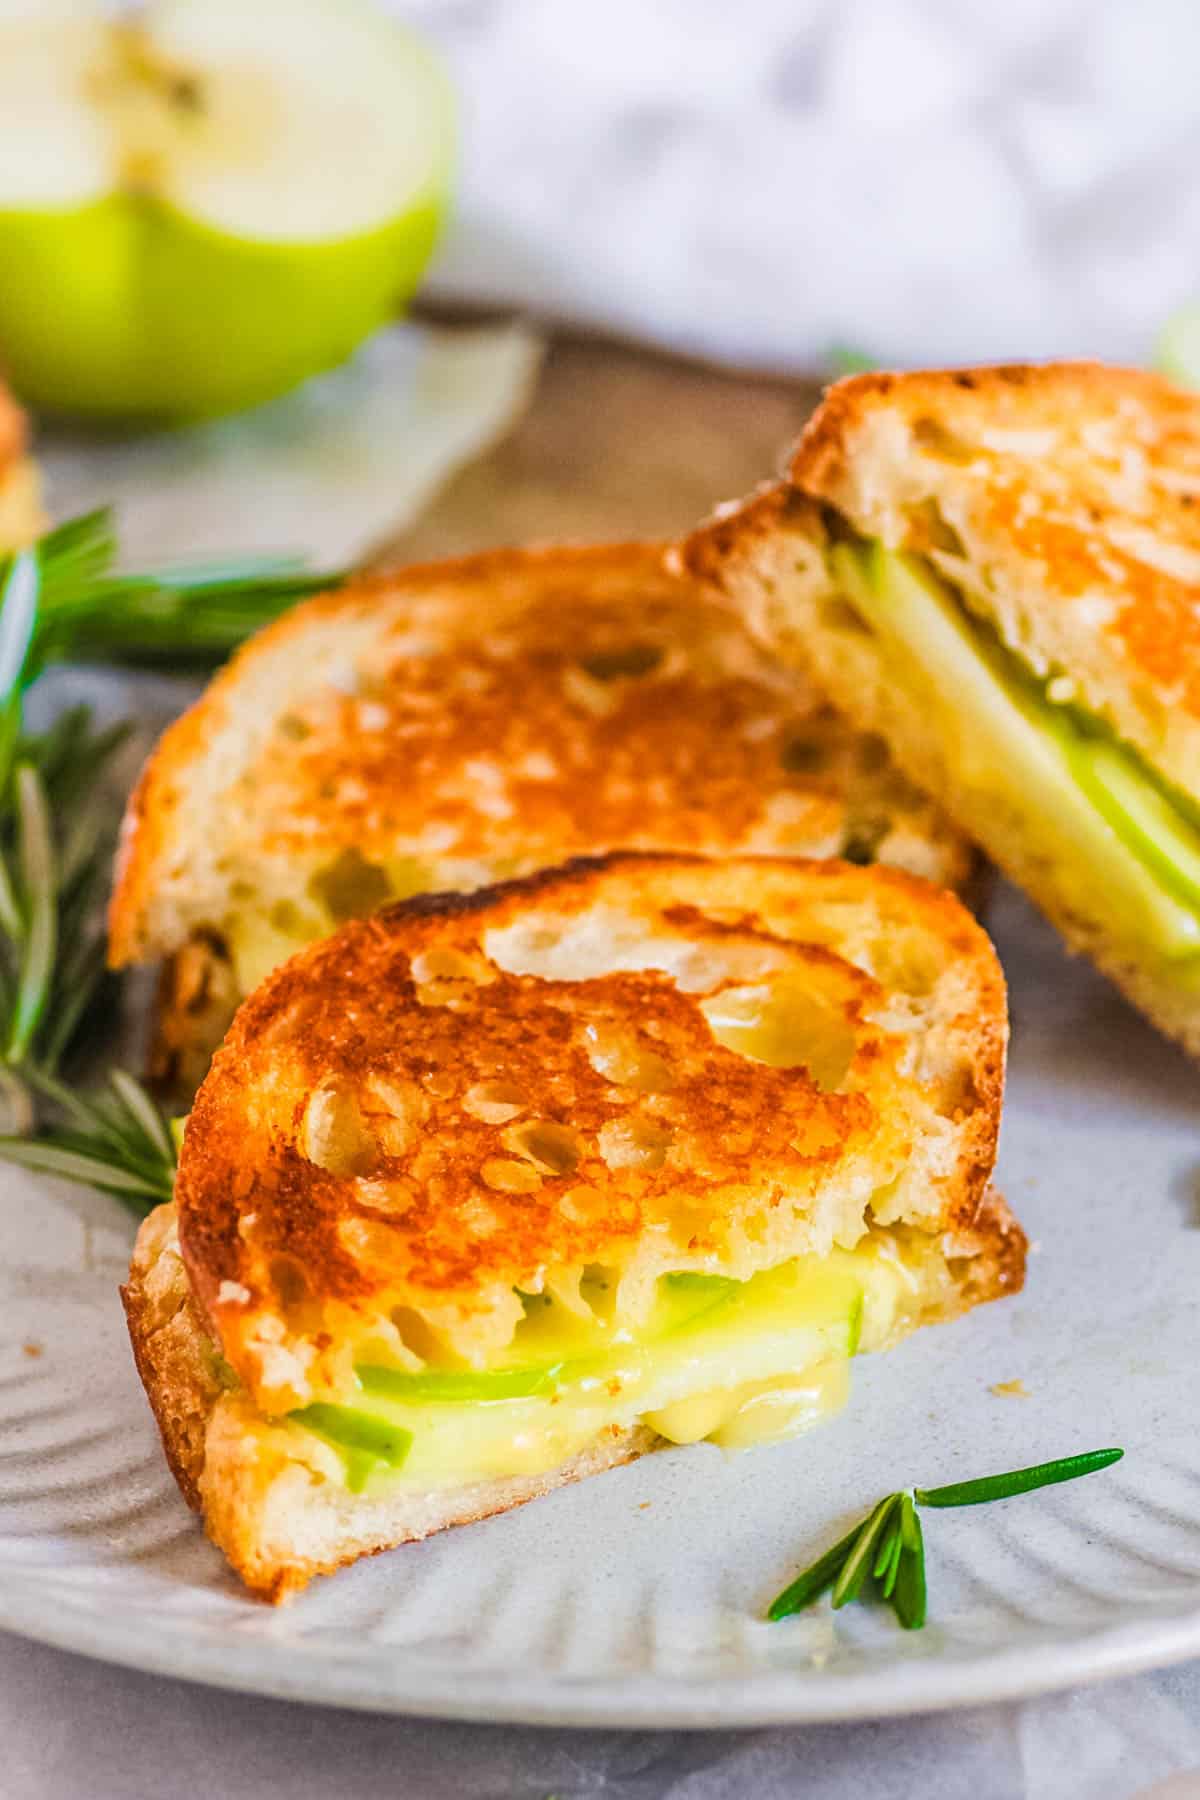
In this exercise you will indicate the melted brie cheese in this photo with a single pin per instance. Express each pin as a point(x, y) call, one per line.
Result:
point(757, 1412)
point(736, 1363)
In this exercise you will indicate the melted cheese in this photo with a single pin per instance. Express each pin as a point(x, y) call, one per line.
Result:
point(737, 1363)
point(757, 1412)
point(257, 946)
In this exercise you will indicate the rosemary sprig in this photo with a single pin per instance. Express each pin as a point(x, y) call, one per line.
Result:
point(884, 1555)
point(119, 1142)
point(85, 611)
point(63, 600)
point(57, 835)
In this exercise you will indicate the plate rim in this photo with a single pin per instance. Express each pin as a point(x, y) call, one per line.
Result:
point(780, 1697)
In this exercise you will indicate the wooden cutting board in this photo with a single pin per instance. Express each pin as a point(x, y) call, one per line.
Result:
point(618, 443)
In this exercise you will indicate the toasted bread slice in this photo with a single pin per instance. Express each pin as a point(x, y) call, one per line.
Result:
point(460, 723)
point(21, 515)
point(1053, 515)
point(473, 1137)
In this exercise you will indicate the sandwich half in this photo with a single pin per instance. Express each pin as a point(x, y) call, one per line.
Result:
point(461, 723)
point(998, 571)
point(490, 1192)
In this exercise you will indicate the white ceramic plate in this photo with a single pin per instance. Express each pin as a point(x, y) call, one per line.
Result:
point(636, 1599)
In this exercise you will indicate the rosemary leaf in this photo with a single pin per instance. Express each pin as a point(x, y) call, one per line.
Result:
point(892, 1570)
point(886, 1544)
point(10, 913)
point(18, 617)
point(118, 1141)
point(36, 855)
point(65, 1097)
point(79, 989)
point(857, 1565)
point(812, 1583)
point(1017, 1481)
point(145, 1114)
point(909, 1593)
point(75, 1165)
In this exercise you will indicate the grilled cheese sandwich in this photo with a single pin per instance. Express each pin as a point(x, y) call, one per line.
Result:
point(997, 570)
point(486, 1193)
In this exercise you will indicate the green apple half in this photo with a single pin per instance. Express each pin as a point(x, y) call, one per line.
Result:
point(204, 204)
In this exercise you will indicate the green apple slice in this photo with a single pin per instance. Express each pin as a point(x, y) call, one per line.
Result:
point(1142, 815)
point(201, 208)
point(1102, 821)
point(364, 1441)
point(457, 1385)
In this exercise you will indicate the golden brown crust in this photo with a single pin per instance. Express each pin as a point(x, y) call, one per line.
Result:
point(995, 395)
point(444, 1192)
point(723, 549)
point(991, 1253)
point(172, 1349)
point(487, 717)
point(1073, 492)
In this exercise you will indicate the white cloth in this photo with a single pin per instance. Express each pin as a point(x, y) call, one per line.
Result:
point(922, 180)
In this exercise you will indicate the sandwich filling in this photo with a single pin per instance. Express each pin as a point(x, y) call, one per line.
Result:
point(1118, 837)
point(734, 1362)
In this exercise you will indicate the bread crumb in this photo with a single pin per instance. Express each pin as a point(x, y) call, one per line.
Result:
point(32, 1349)
point(1010, 1390)
point(644, 1505)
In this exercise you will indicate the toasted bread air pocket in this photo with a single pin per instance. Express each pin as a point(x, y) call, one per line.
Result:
point(997, 570)
point(489, 1192)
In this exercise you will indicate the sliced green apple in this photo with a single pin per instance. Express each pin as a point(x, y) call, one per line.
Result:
point(1142, 815)
point(469, 1425)
point(364, 1441)
point(457, 1385)
point(201, 208)
point(1101, 819)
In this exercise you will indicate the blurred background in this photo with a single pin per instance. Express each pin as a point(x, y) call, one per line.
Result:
point(627, 240)
point(764, 183)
